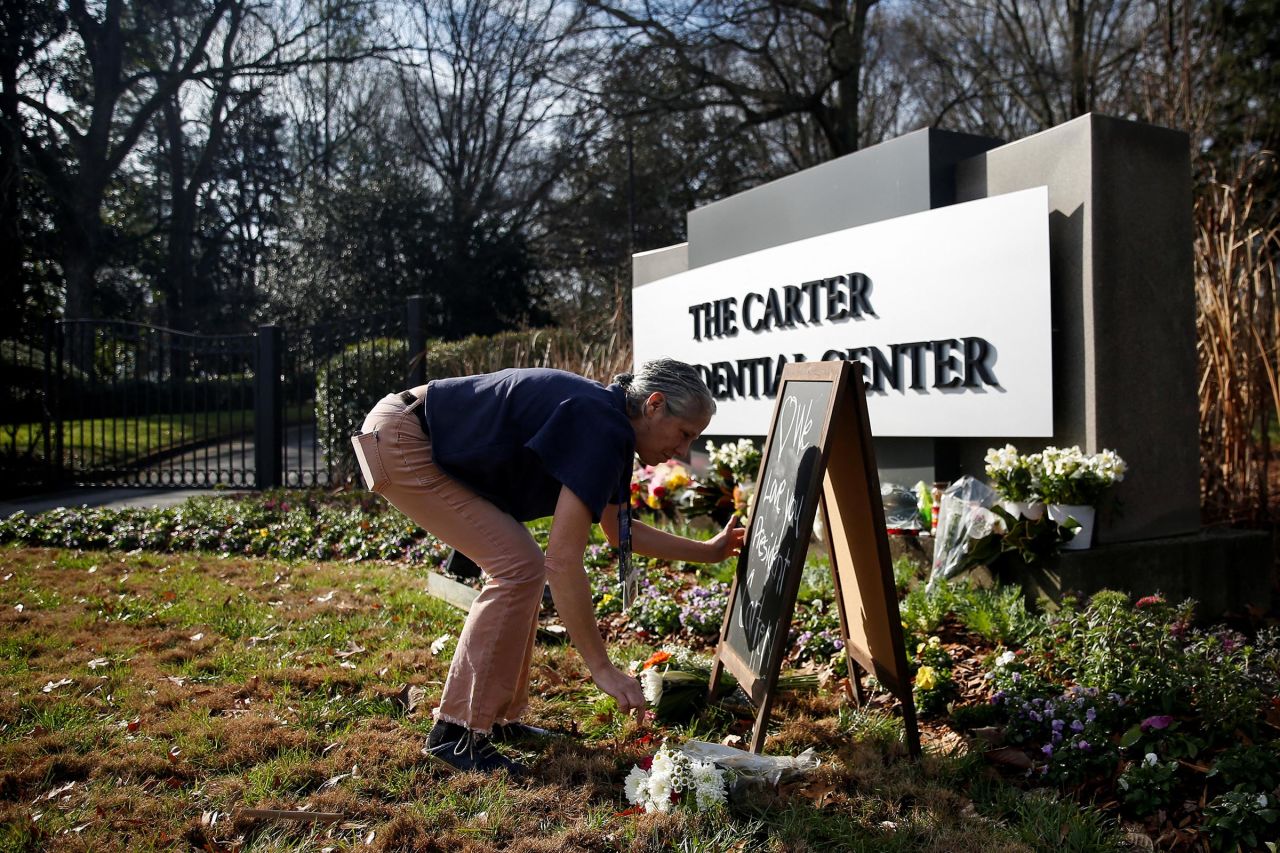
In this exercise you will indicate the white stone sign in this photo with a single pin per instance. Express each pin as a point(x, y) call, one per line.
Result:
point(947, 311)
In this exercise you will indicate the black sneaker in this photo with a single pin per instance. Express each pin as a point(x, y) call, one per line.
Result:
point(463, 749)
point(517, 732)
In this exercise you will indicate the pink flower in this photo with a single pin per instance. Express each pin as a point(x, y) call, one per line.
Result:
point(1161, 721)
point(1149, 601)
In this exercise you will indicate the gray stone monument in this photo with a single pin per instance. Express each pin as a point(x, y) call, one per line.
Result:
point(1123, 308)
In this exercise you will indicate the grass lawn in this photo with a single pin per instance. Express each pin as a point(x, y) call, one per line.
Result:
point(119, 441)
point(146, 700)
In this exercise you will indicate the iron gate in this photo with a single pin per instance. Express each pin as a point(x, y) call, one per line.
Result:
point(118, 403)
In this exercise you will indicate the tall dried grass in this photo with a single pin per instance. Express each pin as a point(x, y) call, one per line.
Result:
point(1237, 247)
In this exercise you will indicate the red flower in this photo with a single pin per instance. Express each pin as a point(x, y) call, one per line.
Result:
point(646, 763)
point(1149, 600)
point(659, 491)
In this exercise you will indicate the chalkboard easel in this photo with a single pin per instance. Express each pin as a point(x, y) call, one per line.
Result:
point(817, 455)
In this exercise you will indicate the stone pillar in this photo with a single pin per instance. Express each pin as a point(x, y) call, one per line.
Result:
point(1123, 301)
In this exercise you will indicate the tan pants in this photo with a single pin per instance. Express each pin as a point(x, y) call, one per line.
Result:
point(489, 676)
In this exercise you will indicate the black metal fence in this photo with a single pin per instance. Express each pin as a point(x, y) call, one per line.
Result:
point(117, 403)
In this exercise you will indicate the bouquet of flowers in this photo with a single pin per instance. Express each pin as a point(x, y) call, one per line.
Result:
point(663, 490)
point(1068, 476)
point(728, 487)
point(671, 778)
point(1012, 475)
point(678, 689)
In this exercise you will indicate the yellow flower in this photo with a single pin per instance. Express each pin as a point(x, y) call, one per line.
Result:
point(926, 678)
point(606, 598)
point(263, 532)
point(678, 478)
point(652, 500)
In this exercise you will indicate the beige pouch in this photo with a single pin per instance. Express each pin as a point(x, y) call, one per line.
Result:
point(366, 447)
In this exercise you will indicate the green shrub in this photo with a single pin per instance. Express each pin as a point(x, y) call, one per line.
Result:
point(596, 356)
point(1150, 653)
point(1147, 785)
point(348, 383)
point(1239, 819)
point(998, 615)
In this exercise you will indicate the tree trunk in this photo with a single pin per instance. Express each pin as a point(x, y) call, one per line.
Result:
point(1079, 61)
point(181, 231)
point(11, 278)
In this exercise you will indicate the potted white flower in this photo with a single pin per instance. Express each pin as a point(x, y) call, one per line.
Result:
point(1072, 483)
point(1015, 481)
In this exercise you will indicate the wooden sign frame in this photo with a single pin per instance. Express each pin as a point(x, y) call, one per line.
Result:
point(862, 573)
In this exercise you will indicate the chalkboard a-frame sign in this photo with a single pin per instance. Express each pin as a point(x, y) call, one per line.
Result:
point(817, 456)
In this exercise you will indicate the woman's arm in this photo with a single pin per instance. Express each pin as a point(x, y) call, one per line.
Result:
point(652, 542)
point(572, 593)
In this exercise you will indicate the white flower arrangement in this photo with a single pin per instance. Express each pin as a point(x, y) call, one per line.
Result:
point(1068, 476)
point(742, 458)
point(1012, 474)
point(1055, 475)
point(672, 778)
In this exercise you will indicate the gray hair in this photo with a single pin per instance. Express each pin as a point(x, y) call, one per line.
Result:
point(686, 394)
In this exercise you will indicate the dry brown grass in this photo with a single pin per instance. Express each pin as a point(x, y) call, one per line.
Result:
point(1238, 323)
point(160, 741)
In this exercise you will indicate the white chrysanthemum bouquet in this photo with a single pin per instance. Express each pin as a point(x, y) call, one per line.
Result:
point(670, 779)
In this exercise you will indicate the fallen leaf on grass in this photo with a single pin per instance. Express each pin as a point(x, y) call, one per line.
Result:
point(438, 646)
point(818, 793)
point(98, 663)
point(55, 793)
point(18, 607)
point(332, 781)
point(328, 596)
point(51, 686)
point(552, 677)
point(195, 638)
point(409, 698)
point(1009, 757)
point(350, 651)
point(990, 735)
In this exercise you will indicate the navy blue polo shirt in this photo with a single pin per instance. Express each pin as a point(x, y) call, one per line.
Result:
point(518, 435)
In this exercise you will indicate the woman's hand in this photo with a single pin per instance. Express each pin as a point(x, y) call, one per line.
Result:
point(728, 542)
point(622, 687)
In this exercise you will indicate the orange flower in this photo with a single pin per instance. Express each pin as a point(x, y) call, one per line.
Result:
point(657, 658)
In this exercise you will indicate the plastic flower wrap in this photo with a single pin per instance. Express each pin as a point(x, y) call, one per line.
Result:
point(670, 778)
